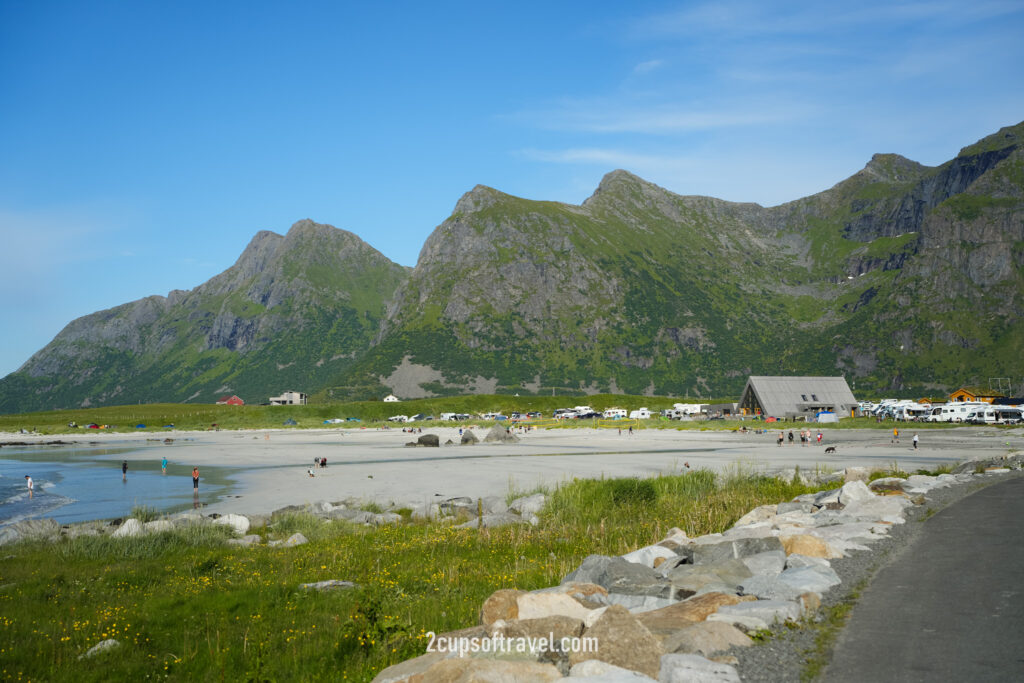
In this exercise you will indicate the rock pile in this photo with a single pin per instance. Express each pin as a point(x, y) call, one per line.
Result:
point(669, 611)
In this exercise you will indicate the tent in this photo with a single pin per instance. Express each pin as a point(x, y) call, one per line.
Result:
point(140, 426)
point(827, 417)
point(290, 422)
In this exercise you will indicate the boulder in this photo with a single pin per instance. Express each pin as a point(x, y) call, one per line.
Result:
point(768, 611)
point(692, 578)
point(619, 576)
point(246, 541)
point(769, 588)
point(102, 646)
point(856, 474)
point(429, 440)
point(745, 623)
point(493, 521)
point(887, 484)
point(685, 613)
point(409, 671)
point(638, 603)
point(622, 641)
point(238, 523)
point(385, 518)
point(596, 671)
point(795, 506)
point(468, 438)
point(854, 491)
point(706, 638)
point(427, 511)
point(554, 627)
point(495, 505)
point(811, 546)
point(471, 670)
point(741, 547)
point(647, 555)
point(528, 505)
point(810, 579)
point(771, 562)
point(759, 514)
point(681, 668)
point(499, 434)
point(453, 506)
point(501, 605)
point(294, 540)
point(158, 525)
point(539, 605)
point(130, 528)
point(797, 560)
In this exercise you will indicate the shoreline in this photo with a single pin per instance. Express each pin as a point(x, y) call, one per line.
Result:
point(268, 467)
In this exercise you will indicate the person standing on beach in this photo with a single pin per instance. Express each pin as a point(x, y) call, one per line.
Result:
point(195, 480)
point(28, 482)
point(163, 466)
point(124, 471)
point(915, 442)
point(895, 436)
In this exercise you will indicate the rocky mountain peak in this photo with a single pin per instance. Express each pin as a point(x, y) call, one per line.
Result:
point(617, 183)
point(478, 199)
point(894, 168)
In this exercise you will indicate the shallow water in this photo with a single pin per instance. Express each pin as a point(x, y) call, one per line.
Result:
point(81, 482)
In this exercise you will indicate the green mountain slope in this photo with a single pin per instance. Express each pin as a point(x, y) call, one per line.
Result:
point(292, 308)
point(905, 278)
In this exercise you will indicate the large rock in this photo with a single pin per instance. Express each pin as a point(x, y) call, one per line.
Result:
point(453, 506)
point(619, 576)
point(501, 605)
point(554, 628)
point(528, 505)
point(759, 514)
point(768, 611)
point(745, 623)
point(695, 669)
point(622, 641)
point(468, 438)
point(771, 562)
point(810, 579)
point(638, 603)
point(685, 613)
point(246, 541)
point(238, 523)
point(692, 578)
point(854, 491)
point(706, 638)
point(887, 484)
point(811, 546)
point(539, 605)
point(489, 671)
point(129, 528)
point(596, 671)
point(493, 521)
point(499, 434)
point(770, 588)
point(856, 474)
point(409, 671)
point(733, 549)
point(429, 440)
point(158, 526)
point(647, 555)
point(102, 646)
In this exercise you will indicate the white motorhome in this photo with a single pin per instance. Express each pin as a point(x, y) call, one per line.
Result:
point(907, 412)
point(583, 410)
point(398, 418)
point(955, 411)
point(614, 413)
point(640, 414)
point(691, 408)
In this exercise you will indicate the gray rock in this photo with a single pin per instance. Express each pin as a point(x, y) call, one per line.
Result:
point(637, 603)
point(130, 528)
point(320, 507)
point(468, 438)
point(826, 497)
point(329, 585)
point(294, 540)
point(426, 511)
point(429, 440)
point(238, 523)
point(452, 506)
point(499, 434)
point(810, 579)
point(619, 576)
point(158, 525)
point(770, 588)
point(493, 521)
point(743, 547)
point(529, 505)
point(796, 561)
point(102, 646)
point(768, 563)
point(768, 611)
point(747, 624)
point(694, 577)
point(245, 541)
point(495, 505)
point(385, 518)
point(596, 671)
point(677, 668)
point(648, 554)
point(854, 491)
point(795, 507)
point(706, 638)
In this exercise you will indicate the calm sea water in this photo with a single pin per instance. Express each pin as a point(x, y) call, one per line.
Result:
point(79, 483)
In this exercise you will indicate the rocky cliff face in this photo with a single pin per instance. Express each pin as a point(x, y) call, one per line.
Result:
point(903, 277)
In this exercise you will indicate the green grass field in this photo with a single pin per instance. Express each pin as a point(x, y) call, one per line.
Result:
point(187, 607)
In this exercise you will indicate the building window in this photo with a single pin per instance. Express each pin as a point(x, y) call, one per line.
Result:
point(803, 397)
point(814, 397)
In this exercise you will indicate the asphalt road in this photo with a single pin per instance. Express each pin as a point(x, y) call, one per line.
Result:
point(949, 606)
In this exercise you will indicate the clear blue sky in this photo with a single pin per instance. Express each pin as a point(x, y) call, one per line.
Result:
point(142, 144)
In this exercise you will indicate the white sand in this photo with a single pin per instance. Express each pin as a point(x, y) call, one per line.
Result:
point(374, 465)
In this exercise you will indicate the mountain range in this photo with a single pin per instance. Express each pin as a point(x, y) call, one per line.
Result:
point(905, 278)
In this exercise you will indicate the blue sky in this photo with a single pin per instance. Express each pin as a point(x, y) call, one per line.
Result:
point(143, 144)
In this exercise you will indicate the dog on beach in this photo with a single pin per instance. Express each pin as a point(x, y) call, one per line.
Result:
point(830, 449)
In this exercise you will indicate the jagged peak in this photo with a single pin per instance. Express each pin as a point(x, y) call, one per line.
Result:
point(477, 199)
point(615, 181)
point(893, 168)
point(1010, 136)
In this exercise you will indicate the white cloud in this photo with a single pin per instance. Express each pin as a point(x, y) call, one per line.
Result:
point(648, 66)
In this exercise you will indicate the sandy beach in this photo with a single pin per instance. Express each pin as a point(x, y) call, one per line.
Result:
point(371, 465)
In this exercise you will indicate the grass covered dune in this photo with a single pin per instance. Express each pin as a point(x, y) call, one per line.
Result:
point(186, 606)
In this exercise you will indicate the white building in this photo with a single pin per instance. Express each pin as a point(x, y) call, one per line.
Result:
point(289, 398)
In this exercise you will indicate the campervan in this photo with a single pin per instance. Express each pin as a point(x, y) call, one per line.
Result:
point(640, 414)
point(690, 408)
point(955, 411)
point(615, 413)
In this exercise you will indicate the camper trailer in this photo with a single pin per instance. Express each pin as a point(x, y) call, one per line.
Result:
point(640, 414)
point(615, 413)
